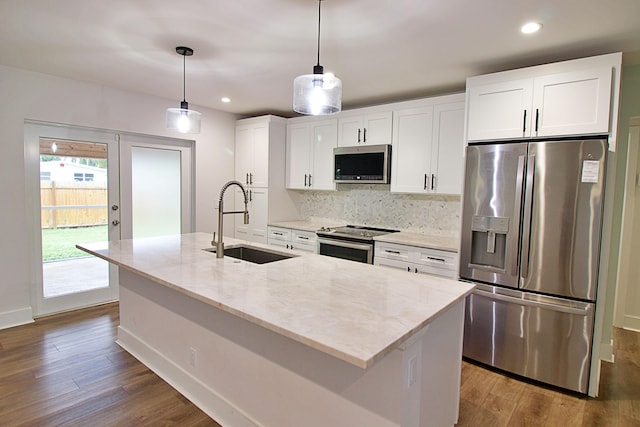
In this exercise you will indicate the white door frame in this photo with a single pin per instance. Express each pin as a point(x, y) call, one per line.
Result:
point(33, 130)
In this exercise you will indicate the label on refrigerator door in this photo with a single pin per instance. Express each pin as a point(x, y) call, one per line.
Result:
point(590, 171)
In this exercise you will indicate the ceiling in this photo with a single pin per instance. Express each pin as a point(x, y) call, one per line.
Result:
point(251, 50)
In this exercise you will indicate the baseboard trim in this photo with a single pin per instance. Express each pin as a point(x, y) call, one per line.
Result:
point(606, 352)
point(12, 318)
point(197, 392)
point(631, 323)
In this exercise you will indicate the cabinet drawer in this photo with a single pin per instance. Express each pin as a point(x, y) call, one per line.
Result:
point(277, 233)
point(438, 259)
point(392, 251)
point(304, 237)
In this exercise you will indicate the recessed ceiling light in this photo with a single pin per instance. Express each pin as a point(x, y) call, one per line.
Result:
point(225, 99)
point(531, 27)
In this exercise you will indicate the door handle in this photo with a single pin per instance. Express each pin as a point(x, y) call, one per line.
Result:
point(524, 123)
point(425, 182)
point(114, 207)
point(528, 210)
point(359, 136)
point(309, 180)
point(517, 212)
point(305, 179)
point(250, 178)
point(433, 181)
point(364, 139)
point(537, 117)
point(115, 222)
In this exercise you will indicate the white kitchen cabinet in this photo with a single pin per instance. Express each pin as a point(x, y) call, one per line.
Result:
point(260, 167)
point(416, 260)
point(568, 103)
point(252, 153)
point(258, 206)
point(292, 239)
point(428, 147)
point(309, 150)
point(368, 128)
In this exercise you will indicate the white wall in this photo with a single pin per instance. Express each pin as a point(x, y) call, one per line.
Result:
point(34, 96)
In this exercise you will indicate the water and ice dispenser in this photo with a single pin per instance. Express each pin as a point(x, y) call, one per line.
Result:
point(489, 242)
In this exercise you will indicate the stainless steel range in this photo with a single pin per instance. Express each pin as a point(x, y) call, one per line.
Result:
point(350, 242)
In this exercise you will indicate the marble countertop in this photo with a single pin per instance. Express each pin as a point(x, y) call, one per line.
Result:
point(355, 312)
point(443, 243)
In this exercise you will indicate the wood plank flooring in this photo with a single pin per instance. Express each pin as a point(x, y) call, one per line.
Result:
point(66, 370)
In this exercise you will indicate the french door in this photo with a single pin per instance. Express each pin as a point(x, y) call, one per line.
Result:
point(93, 185)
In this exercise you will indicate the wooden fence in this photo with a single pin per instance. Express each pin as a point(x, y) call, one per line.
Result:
point(75, 204)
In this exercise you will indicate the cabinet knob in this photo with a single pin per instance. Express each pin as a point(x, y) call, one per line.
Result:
point(115, 222)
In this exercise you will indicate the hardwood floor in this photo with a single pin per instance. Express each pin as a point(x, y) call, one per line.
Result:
point(492, 399)
point(66, 370)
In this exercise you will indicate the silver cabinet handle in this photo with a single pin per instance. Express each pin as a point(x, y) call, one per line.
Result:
point(433, 181)
point(246, 179)
point(392, 252)
point(250, 178)
point(309, 180)
point(425, 182)
point(436, 259)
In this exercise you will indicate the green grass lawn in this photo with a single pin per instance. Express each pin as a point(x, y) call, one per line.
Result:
point(61, 243)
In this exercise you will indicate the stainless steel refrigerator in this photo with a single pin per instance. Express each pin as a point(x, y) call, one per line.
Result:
point(530, 239)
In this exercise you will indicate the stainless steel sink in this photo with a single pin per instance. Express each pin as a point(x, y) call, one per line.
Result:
point(252, 254)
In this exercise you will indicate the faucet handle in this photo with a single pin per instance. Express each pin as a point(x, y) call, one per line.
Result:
point(213, 242)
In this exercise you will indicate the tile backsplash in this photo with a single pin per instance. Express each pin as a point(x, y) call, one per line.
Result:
point(373, 205)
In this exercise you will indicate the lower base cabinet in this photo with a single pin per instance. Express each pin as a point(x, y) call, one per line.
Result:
point(292, 239)
point(417, 260)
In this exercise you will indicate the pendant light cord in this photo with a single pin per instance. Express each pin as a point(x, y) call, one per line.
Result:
point(319, 7)
point(184, 78)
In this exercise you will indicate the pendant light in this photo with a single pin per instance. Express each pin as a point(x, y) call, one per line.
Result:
point(317, 93)
point(183, 119)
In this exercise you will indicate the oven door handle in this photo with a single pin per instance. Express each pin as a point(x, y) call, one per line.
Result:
point(342, 243)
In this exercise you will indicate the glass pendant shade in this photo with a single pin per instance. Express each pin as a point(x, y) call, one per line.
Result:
point(317, 94)
point(183, 119)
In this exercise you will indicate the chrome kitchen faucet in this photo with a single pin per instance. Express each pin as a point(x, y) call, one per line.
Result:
point(219, 244)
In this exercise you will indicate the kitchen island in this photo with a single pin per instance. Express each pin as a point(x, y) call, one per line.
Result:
point(310, 340)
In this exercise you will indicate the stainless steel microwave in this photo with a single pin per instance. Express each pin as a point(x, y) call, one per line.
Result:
point(365, 164)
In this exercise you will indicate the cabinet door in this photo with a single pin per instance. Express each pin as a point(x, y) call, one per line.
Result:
point(377, 128)
point(298, 156)
point(410, 156)
point(447, 155)
point(259, 176)
point(349, 131)
point(500, 110)
point(572, 103)
point(244, 153)
point(325, 139)
point(258, 215)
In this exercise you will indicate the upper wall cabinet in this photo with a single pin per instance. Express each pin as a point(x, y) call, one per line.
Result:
point(568, 103)
point(428, 147)
point(309, 151)
point(366, 128)
point(252, 153)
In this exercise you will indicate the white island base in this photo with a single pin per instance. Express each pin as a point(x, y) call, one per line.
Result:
point(242, 374)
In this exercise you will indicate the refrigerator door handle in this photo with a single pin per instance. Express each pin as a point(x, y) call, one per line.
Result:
point(528, 206)
point(517, 214)
point(580, 311)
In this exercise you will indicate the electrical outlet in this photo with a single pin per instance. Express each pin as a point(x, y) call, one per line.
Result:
point(193, 356)
point(413, 371)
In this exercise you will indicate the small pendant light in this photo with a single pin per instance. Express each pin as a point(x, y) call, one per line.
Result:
point(183, 119)
point(317, 93)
